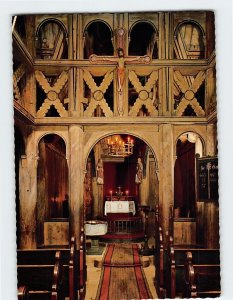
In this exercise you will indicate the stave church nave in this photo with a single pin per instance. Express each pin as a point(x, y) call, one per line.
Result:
point(116, 153)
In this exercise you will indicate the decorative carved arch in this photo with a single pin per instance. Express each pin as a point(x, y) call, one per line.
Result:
point(92, 38)
point(143, 21)
point(189, 21)
point(182, 42)
point(97, 20)
point(48, 20)
point(143, 39)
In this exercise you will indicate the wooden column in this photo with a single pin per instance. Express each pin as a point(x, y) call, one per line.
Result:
point(75, 51)
point(162, 39)
point(166, 185)
point(211, 139)
point(76, 180)
point(28, 195)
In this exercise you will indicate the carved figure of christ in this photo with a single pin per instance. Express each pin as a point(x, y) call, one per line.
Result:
point(120, 61)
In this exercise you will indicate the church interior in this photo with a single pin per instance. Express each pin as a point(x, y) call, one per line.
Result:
point(116, 166)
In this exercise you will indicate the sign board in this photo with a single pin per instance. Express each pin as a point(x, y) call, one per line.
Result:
point(207, 178)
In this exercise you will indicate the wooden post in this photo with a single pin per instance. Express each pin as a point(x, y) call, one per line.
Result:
point(76, 180)
point(28, 195)
point(166, 184)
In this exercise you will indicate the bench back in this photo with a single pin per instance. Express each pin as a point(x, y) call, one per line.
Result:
point(176, 265)
point(45, 281)
point(41, 256)
point(30, 260)
point(201, 280)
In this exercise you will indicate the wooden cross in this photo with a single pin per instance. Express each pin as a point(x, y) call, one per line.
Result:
point(120, 61)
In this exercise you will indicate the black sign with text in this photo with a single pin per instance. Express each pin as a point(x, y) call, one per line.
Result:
point(207, 178)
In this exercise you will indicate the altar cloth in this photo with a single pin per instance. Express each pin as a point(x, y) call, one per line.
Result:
point(119, 207)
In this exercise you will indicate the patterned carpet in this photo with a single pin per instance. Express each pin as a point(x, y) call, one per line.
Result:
point(122, 275)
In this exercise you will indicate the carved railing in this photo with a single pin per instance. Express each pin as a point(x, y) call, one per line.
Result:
point(129, 225)
point(148, 92)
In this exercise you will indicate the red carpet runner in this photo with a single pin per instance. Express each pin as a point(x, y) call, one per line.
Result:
point(122, 275)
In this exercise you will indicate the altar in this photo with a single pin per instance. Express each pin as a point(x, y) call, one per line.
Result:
point(119, 207)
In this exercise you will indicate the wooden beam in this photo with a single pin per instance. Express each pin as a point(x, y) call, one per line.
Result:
point(22, 114)
point(97, 121)
point(40, 63)
point(20, 50)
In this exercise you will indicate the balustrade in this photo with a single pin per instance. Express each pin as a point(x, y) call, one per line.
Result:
point(146, 93)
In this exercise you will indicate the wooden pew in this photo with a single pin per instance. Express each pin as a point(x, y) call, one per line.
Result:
point(23, 293)
point(160, 257)
point(175, 269)
point(44, 282)
point(201, 280)
point(69, 259)
point(74, 267)
point(83, 265)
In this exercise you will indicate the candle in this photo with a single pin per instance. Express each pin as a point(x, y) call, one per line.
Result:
point(127, 193)
point(108, 141)
point(111, 195)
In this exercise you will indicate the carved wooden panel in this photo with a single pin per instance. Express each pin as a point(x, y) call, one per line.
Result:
point(97, 94)
point(146, 94)
point(52, 94)
point(189, 86)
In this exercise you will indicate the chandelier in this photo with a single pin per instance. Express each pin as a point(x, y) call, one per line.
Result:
point(118, 147)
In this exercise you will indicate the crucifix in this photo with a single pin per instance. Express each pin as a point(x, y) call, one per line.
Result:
point(120, 61)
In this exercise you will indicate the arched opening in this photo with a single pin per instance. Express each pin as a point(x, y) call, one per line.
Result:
point(189, 41)
point(52, 182)
point(51, 40)
point(98, 39)
point(188, 145)
point(19, 156)
point(120, 168)
point(143, 40)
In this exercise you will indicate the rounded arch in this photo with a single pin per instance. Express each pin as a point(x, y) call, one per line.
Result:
point(107, 173)
point(102, 136)
point(189, 40)
point(143, 39)
point(97, 20)
point(52, 180)
point(51, 39)
point(55, 20)
point(188, 21)
point(191, 131)
point(143, 21)
point(51, 133)
point(187, 144)
point(98, 38)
